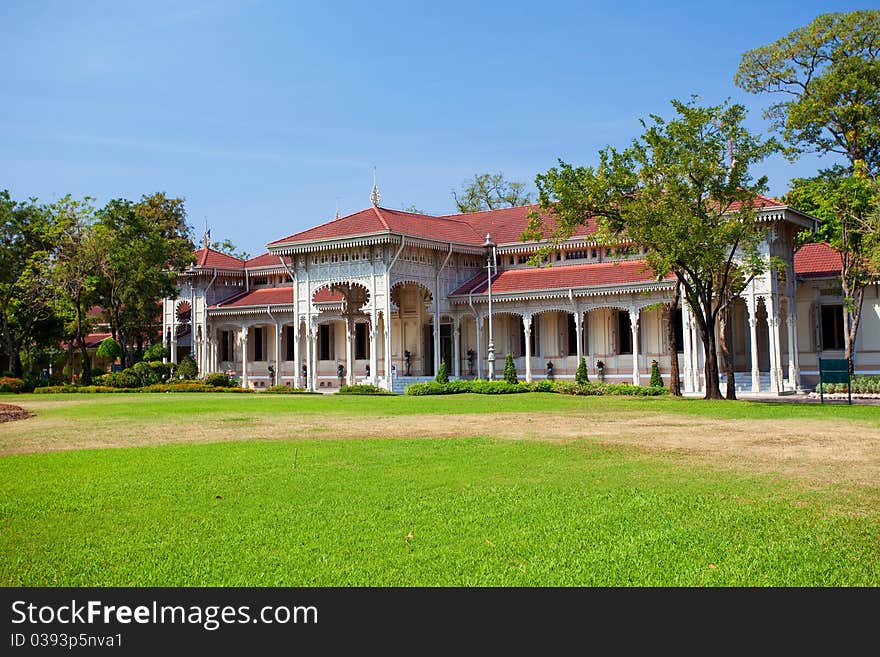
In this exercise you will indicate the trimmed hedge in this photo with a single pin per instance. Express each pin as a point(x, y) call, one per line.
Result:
point(367, 389)
point(186, 386)
point(289, 390)
point(483, 387)
point(219, 380)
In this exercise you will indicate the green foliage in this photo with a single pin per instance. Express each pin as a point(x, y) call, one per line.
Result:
point(229, 248)
point(161, 371)
point(125, 379)
point(145, 373)
point(581, 376)
point(363, 389)
point(108, 348)
point(488, 191)
point(674, 192)
point(656, 379)
point(442, 373)
point(182, 386)
point(509, 369)
point(156, 352)
point(290, 390)
point(221, 380)
point(187, 369)
point(483, 387)
point(11, 384)
point(828, 75)
point(861, 385)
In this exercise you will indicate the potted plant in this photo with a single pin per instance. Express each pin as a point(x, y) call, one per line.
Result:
point(600, 368)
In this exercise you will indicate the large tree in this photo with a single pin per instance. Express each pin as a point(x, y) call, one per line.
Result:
point(144, 247)
point(76, 271)
point(490, 191)
point(828, 74)
point(675, 191)
point(849, 207)
point(28, 241)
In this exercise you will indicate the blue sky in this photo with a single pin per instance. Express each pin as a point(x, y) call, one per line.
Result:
point(266, 115)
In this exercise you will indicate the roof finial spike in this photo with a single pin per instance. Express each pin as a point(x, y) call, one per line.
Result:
point(375, 197)
point(206, 237)
point(337, 207)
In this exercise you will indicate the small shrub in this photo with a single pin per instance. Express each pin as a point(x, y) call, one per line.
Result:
point(11, 384)
point(582, 376)
point(187, 369)
point(442, 373)
point(509, 369)
point(161, 371)
point(656, 379)
point(221, 380)
point(96, 372)
point(363, 389)
point(123, 379)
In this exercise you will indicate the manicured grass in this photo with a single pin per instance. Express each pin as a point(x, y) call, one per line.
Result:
point(195, 404)
point(418, 512)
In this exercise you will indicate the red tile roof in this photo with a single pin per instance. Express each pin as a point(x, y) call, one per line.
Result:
point(260, 297)
point(761, 202)
point(210, 258)
point(375, 220)
point(265, 260)
point(507, 224)
point(817, 261)
point(562, 277)
point(92, 340)
point(326, 295)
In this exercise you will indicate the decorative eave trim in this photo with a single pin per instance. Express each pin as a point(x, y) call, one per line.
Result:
point(559, 293)
point(369, 239)
point(250, 310)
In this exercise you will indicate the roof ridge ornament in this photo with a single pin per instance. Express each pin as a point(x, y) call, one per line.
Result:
point(206, 237)
point(375, 197)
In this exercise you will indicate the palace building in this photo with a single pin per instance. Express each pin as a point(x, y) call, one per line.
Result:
point(383, 296)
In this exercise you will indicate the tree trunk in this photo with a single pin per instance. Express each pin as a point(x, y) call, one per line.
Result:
point(674, 376)
point(850, 331)
point(710, 369)
point(726, 360)
point(86, 377)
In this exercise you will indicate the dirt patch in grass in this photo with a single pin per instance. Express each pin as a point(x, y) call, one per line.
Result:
point(823, 451)
point(10, 412)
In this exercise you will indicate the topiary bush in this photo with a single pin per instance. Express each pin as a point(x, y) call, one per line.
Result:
point(510, 370)
point(442, 373)
point(656, 379)
point(109, 348)
point(161, 371)
point(289, 390)
point(582, 376)
point(483, 387)
point(123, 379)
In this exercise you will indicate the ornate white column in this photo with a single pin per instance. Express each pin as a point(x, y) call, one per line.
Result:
point(436, 337)
point(479, 324)
point(313, 357)
point(752, 309)
point(773, 340)
point(688, 352)
point(456, 347)
point(278, 329)
point(389, 379)
point(374, 350)
point(579, 335)
point(297, 359)
point(634, 330)
point(794, 370)
point(243, 340)
point(527, 329)
point(349, 349)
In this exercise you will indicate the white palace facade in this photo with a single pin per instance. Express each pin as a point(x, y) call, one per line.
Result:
point(383, 296)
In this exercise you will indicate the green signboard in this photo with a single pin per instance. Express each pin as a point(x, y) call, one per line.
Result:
point(834, 370)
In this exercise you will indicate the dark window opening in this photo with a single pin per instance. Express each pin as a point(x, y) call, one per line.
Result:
point(832, 327)
point(361, 342)
point(291, 343)
point(678, 324)
point(324, 346)
point(258, 344)
point(624, 333)
point(521, 344)
point(572, 336)
point(226, 346)
point(535, 342)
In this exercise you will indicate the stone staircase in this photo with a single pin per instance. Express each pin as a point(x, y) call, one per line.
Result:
point(743, 383)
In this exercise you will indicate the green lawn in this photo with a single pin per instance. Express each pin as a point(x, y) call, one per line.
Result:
point(469, 511)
